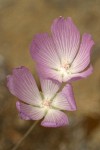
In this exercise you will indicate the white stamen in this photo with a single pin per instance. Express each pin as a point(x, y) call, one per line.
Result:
point(46, 104)
point(65, 69)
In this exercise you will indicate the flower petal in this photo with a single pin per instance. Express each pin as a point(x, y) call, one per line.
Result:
point(65, 99)
point(48, 73)
point(43, 51)
point(28, 112)
point(22, 84)
point(66, 38)
point(49, 87)
point(54, 118)
point(21, 114)
point(80, 75)
point(82, 59)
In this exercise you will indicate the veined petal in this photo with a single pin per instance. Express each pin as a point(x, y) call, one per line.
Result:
point(22, 84)
point(48, 73)
point(66, 38)
point(22, 115)
point(43, 51)
point(49, 87)
point(82, 59)
point(65, 99)
point(29, 112)
point(54, 118)
point(81, 75)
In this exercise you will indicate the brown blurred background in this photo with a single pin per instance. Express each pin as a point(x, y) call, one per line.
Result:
point(20, 20)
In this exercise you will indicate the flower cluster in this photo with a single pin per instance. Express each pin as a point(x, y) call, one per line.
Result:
point(60, 58)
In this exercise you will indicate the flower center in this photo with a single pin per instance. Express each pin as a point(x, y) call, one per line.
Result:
point(46, 103)
point(66, 66)
point(65, 69)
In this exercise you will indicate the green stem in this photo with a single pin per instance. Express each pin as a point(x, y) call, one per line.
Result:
point(25, 135)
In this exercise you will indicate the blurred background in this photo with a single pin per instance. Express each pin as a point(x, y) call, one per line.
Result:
point(20, 20)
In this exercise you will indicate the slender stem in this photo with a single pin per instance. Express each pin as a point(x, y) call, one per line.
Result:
point(25, 135)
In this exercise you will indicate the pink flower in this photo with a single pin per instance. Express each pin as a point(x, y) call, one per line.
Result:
point(35, 105)
point(62, 56)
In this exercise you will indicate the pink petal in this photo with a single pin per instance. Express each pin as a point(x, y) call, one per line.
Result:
point(48, 73)
point(65, 99)
point(66, 38)
point(82, 59)
point(43, 51)
point(21, 114)
point(81, 75)
point(49, 88)
point(22, 84)
point(54, 118)
point(28, 112)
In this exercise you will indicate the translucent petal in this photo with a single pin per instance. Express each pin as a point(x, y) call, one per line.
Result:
point(54, 118)
point(22, 84)
point(29, 112)
point(21, 114)
point(48, 73)
point(65, 99)
point(49, 87)
point(66, 38)
point(43, 51)
point(77, 76)
point(82, 59)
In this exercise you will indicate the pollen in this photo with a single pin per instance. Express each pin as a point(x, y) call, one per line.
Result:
point(46, 104)
point(65, 69)
point(66, 66)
